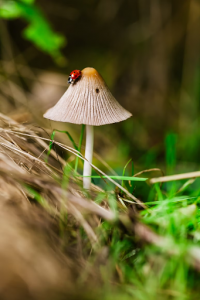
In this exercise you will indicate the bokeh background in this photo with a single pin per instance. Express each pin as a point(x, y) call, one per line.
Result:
point(148, 53)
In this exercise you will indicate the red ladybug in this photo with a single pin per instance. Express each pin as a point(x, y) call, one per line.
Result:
point(74, 75)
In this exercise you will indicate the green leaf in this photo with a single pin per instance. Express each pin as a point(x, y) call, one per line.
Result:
point(28, 1)
point(10, 10)
point(39, 30)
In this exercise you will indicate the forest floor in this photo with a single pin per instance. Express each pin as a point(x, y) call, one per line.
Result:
point(58, 240)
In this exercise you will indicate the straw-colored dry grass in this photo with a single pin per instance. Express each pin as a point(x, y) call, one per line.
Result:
point(36, 257)
point(52, 244)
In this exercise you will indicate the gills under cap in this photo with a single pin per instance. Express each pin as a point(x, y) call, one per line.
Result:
point(88, 101)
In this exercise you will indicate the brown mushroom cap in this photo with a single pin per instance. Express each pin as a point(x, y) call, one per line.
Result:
point(88, 101)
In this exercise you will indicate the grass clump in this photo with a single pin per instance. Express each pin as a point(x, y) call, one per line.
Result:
point(58, 241)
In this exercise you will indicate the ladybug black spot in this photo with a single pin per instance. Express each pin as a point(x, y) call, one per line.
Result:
point(97, 91)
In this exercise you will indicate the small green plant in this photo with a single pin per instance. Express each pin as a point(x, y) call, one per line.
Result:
point(38, 31)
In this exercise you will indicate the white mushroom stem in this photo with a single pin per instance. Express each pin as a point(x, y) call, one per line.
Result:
point(87, 170)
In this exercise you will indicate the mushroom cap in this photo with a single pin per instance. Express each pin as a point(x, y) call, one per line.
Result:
point(88, 101)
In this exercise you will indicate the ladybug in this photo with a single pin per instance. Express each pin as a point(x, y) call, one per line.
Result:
point(74, 75)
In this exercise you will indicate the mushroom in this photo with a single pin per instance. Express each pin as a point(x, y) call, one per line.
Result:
point(88, 101)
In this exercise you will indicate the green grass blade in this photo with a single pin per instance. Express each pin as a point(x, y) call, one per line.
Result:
point(174, 200)
point(132, 169)
point(50, 145)
point(159, 192)
point(124, 170)
point(79, 146)
point(52, 140)
point(71, 139)
point(170, 146)
point(119, 177)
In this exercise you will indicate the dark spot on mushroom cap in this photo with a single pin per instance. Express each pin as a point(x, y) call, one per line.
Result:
point(97, 91)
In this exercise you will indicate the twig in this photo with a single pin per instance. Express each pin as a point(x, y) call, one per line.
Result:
point(175, 177)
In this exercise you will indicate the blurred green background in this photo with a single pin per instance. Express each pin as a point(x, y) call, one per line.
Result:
point(148, 53)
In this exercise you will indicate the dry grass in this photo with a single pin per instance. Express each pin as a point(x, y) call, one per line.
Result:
point(35, 258)
point(49, 224)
